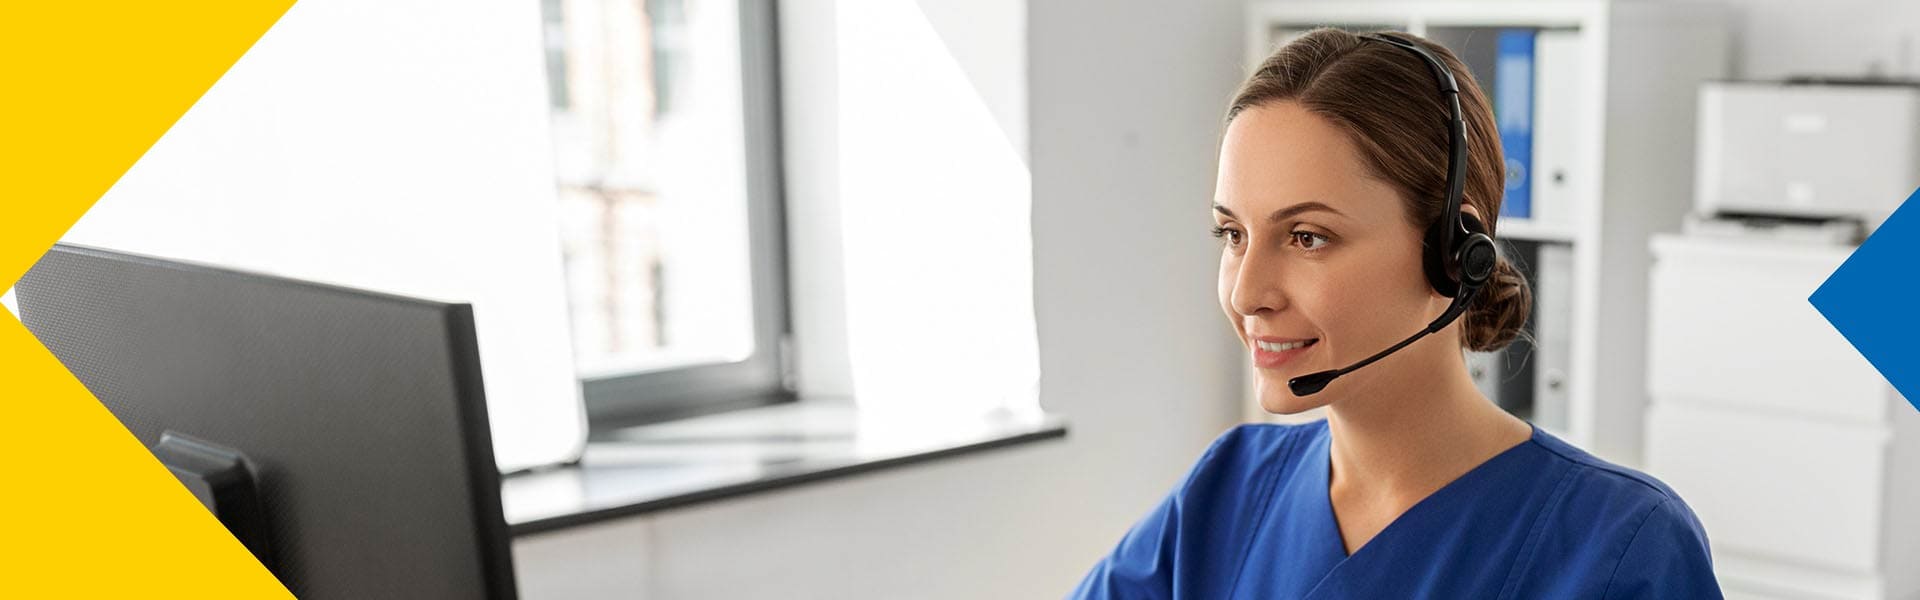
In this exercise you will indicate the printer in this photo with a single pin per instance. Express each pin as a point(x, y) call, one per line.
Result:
point(1807, 149)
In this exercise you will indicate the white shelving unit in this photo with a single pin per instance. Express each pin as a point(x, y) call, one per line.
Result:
point(1640, 63)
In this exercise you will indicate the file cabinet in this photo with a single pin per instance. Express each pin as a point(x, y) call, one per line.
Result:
point(1798, 457)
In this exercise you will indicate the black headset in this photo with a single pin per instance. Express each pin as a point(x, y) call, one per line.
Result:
point(1458, 255)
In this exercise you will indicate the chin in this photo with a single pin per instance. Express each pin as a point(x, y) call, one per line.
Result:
point(1277, 399)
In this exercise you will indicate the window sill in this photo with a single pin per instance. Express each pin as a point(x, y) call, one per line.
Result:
point(647, 468)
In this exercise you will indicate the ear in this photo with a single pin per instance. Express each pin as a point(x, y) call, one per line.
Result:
point(1468, 208)
point(1471, 217)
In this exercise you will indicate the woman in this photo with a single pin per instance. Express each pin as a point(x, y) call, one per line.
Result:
point(1331, 202)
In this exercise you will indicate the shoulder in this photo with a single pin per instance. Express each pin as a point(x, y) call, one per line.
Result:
point(1597, 474)
point(1667, 553)
point(1634, 531)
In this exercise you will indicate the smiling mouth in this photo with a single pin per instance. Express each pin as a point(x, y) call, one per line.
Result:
point(1285, 346)
point(1273, 355)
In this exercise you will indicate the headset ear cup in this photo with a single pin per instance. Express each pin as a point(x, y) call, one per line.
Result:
point(1476, 256)
point(1436, 261)
point(1477, 260)
point(1469, 262)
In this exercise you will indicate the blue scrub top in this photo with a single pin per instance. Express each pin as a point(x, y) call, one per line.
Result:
point(1540, 520)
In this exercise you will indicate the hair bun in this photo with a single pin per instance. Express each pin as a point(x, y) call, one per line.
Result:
point(1500, 310)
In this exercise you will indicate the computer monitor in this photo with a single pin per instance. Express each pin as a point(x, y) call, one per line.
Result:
point(357, 419)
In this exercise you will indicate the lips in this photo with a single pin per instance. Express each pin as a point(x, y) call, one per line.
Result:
point(1273, 352)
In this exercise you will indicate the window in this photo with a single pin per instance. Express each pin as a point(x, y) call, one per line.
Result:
point(666, 155)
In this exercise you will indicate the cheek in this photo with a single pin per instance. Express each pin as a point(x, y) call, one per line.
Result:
point(1377, 305)
point(1318, 295)
point(1342, 303)
point(1229, 273)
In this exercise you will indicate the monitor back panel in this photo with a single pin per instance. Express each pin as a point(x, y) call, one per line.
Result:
point(362, 414)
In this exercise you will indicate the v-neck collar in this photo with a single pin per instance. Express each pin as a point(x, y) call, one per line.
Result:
point(1321, 484)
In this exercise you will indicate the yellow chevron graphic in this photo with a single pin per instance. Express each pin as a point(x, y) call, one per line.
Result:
point(85, 89)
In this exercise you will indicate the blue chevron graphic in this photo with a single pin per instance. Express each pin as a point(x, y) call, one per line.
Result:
point(1873, 299)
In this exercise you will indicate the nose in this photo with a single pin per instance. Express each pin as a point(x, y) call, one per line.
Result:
point(1258, 285)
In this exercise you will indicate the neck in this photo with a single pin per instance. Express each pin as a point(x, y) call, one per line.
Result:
point(1406, 435)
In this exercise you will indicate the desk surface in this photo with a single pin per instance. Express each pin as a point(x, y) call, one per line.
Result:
point(665, 465)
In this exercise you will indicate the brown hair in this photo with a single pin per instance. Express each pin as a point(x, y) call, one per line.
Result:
point(1388, 102)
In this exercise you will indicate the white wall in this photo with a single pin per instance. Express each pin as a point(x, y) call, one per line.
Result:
point(394, 146)
point(934, 207)
point(1126, 108)
point(1124, 103)
point(908, 201)
point(1778, 38)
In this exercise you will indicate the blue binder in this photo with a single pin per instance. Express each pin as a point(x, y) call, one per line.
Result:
point(1513, 109)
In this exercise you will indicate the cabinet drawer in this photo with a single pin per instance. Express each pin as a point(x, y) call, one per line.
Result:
point(1776, 486)
point(1729, 323)
point(1745, 577)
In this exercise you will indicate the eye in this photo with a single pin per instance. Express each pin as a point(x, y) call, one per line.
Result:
point(1231, 235)
point(1310, 241)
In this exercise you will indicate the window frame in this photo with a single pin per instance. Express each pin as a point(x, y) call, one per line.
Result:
point(766, 376)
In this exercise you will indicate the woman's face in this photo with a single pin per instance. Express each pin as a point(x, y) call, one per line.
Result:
point(1315, 251)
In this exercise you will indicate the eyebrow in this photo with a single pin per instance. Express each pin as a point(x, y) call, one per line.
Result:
point(1282, 214)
